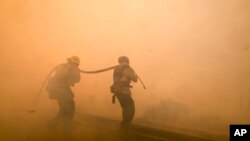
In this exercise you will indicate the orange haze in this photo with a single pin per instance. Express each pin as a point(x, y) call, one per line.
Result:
point(195, 54)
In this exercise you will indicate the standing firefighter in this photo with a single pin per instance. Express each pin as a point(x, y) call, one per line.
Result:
point(59, 88)
point(122, 76)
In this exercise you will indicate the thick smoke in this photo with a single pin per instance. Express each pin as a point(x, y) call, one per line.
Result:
point(194, 57)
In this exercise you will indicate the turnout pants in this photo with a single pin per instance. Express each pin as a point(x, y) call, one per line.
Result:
point(128, 107)
point(65, 114)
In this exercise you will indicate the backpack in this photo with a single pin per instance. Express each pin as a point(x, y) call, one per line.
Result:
point(61, 73)
point(55, 86)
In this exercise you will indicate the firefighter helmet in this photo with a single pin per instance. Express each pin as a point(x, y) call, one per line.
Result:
point(123, 59)
point(74, 59)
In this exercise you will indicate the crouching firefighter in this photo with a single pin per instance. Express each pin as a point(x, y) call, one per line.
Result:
point(59, 88)
point(122, 77)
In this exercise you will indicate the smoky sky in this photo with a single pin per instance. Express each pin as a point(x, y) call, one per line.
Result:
point(193, 52)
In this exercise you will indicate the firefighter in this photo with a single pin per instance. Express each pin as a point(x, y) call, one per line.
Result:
point(122, 77)
point(59, 89)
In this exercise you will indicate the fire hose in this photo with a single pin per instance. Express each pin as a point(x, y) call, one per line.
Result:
point(82, 71)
